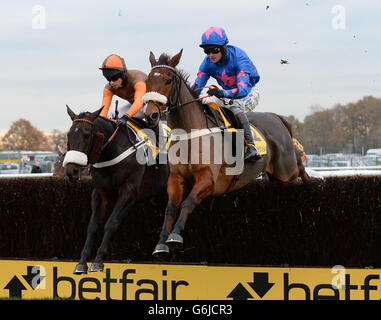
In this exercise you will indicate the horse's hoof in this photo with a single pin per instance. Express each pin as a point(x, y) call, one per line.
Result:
point(96, 266)
point(174, 241)
point(81, 268)
point(161, 251)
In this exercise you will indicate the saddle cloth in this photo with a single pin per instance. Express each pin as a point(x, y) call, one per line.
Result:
point(226, 119)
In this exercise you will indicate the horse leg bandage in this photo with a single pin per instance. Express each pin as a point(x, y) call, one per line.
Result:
point(75, 157)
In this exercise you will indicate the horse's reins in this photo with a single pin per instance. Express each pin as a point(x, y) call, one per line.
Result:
point(92, 133)
point(120, 157)
point(171, 107)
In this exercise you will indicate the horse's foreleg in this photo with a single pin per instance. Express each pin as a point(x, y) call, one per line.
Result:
point(124, 202)
point(175, 190)
point(202, 188)
point(98, 208)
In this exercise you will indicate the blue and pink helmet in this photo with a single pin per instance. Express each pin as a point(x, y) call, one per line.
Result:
point(214, 36)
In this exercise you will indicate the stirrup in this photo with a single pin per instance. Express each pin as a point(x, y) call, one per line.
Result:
point(254, 157)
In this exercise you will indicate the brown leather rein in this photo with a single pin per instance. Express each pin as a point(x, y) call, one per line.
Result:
point(92, 123)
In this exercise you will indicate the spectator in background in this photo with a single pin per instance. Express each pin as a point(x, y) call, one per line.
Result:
point(36, 168)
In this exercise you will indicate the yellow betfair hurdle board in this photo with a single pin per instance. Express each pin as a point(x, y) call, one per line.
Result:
point(125, 281)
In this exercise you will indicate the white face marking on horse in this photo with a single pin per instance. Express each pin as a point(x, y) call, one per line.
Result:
point(157, 74)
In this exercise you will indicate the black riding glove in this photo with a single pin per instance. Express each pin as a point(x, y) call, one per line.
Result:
point(122, 121)
point(216, 92)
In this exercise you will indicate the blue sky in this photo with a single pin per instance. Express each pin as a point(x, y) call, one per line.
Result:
point(44, 69)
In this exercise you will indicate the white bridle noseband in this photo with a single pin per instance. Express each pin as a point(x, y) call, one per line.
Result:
point(155, 97)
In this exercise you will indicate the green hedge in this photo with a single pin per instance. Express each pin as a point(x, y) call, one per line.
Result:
point(318, 224)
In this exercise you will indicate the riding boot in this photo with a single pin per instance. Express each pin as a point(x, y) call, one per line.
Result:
point(251, 153)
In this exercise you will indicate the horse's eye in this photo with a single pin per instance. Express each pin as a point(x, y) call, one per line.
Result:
point(168, 82)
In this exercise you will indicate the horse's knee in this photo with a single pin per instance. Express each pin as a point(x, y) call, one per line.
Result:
point(188, 203)
point(111, 225)
point(115, 219)
point(171, 209)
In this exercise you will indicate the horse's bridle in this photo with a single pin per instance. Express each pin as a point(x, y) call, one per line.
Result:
point(172, 103)
point(96, 139)
point(91, 133)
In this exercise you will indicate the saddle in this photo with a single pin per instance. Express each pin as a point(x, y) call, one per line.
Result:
point(225, 119)
point(222, 117)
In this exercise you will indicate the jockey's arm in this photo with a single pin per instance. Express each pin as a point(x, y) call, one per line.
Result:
point(202, 78)
point(106, 102)
point(140, 91)
point(246, 70)
point(241, 91)
point(243, 85)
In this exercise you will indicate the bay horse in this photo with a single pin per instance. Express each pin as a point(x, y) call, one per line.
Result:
point(119, 178)
point(189, 183)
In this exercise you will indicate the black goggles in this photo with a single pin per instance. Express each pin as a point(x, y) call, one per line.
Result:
point(112, 74)
point(213, 50)
point(114, 77)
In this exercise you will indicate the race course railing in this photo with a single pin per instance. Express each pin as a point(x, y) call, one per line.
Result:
point(344, 171)
point(322, 172)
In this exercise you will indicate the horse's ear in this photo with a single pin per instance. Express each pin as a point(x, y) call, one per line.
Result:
point(175, 59)
point(96, 113)
point(71, 113)
point(152, 59)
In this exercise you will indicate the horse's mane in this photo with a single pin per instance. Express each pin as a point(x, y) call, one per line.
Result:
point(106, 120)
point(86, 114)
point(164, 58)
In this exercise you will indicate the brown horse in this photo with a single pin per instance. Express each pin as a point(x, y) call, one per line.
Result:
point(120, 179)
point(190, 181)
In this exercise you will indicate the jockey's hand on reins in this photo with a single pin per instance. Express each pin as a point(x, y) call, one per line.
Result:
point(122, 121)
point(216, 92)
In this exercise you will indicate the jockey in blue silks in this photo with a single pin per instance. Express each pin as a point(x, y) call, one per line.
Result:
point(235, 73)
